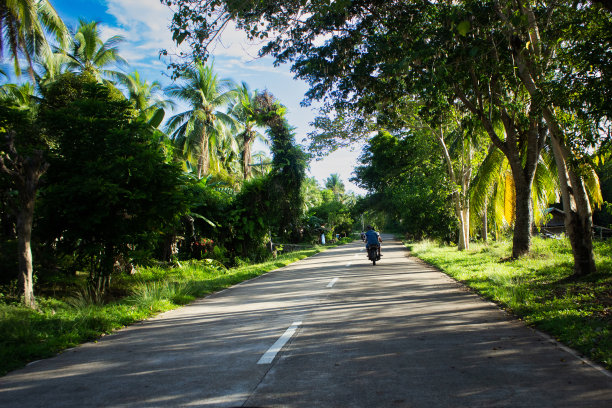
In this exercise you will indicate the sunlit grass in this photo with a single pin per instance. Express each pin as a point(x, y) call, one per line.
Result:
point(539, 288)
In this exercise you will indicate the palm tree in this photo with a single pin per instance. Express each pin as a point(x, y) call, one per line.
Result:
point(493, 189)
point(201, 127)
point(243, 113)
point(49, 66)
point(23, 24)
point(335, 184)
point(146, 97)
point(88, 52)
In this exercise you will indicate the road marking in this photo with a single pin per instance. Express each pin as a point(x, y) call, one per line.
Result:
point(332, 282)
point(355, 256)
point(269, 355)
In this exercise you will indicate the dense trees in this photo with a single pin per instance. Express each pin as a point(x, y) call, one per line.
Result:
point(519, 69)
point(84, 142)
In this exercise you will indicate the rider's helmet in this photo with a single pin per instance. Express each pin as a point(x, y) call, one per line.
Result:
point(370, 227)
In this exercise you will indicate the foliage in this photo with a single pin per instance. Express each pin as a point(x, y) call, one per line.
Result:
point(539, 289)
point(406, 177)
point(199, 131)
point(109, 189)
point(23, 26)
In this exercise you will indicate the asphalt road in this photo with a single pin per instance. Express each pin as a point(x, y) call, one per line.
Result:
point(328, 331)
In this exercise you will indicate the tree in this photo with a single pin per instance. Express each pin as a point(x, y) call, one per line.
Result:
point(22, 158)
point(288, 167)
point(146, 97)
point(23, 24)
point(243, 113)
point(537, 37)
point(193, 129)
point(335, 184)
point(109, 191)
point(88, 52)
point(408, 184)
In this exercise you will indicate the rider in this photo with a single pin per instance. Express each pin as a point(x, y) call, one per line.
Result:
point(373, 238)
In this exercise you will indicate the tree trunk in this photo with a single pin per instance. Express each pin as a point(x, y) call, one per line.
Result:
point(521, 240)
point(204, 159)
point(464, 229)
point(25, 172)
point(246, 156)
point(24, 235)
point(577, 209)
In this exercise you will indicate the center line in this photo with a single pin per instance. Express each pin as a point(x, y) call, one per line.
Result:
point(332, 282)
point(269, 355)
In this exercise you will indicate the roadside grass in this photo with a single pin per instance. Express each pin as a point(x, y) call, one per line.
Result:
point(538, 288)
point(60, 323)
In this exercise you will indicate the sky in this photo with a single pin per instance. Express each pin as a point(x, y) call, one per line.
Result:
point(144, 25)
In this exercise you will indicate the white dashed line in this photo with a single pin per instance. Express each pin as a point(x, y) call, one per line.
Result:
point(269, 355)
point(332, 282)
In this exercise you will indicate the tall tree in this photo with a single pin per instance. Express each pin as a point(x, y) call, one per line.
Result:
point(243, 113)
point(335, 184)
point(22, 158)
point(109, 189)
point(147, 97)
point(89, 52)
point(193, 129)
point(23, 24)
point(537, 37)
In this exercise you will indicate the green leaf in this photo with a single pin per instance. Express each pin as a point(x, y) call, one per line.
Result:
point(463, 28)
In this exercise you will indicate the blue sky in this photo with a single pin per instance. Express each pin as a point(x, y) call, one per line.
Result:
point(144, 24)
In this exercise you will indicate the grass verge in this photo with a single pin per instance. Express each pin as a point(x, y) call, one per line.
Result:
point(27, 335)
point(538, 288)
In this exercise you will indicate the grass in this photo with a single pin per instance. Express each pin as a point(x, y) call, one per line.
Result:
point(60, 323)
point(538, 288)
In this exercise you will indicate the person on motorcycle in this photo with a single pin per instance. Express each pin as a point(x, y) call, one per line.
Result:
point(373, 238)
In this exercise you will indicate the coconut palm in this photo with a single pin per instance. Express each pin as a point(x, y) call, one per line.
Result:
point(147, 97)
point(88, 52)
point(335, 184)
point(49, 66)
point(243, 113)
point(493, 189)
point(23, 24)
point(200, 130)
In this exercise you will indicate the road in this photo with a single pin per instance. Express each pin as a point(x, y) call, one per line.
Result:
point(328, 331)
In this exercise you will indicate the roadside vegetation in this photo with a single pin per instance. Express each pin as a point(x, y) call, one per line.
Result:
point(539, 288)
point(74, 314)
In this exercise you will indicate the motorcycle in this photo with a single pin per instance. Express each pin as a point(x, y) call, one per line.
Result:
point(373, 254)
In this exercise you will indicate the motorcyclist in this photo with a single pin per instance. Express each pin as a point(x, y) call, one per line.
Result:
point(373, 238)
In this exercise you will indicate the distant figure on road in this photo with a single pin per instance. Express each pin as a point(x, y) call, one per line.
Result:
point(373, 238)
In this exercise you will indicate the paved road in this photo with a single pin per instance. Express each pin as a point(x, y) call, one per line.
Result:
point(396, 335)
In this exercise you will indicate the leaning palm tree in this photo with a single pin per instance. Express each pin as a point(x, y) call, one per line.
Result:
point(88, 52)
point(243, 113)
point(23, 24)
point(200, 127)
